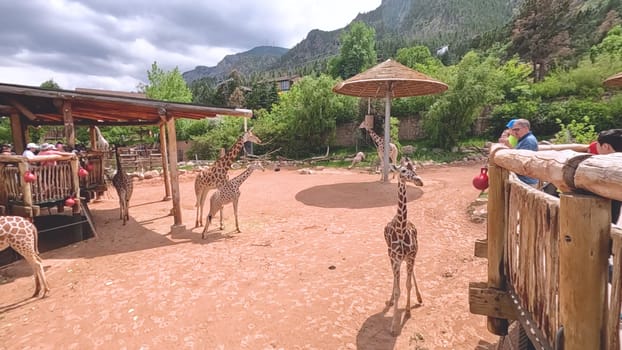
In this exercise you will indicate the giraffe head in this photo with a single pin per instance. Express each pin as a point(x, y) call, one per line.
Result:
point(408, 172)
point(249, 136)
point(364, 125)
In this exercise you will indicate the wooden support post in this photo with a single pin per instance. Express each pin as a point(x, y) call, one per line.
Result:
point(585, 222)
point(76, 185)
point(496, 240)
point(172, 157)
point(165, 171)
point(17, 130)
point(26, 186)
point(93, 138)
point(70, 133)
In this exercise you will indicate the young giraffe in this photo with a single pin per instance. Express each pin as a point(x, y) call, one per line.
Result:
point(21, 235)
point(379, 141)
point(124, 186)
point(401, 237)
point(217, 175)
point(226, 194)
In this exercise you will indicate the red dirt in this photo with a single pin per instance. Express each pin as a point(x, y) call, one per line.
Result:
point(309, 271)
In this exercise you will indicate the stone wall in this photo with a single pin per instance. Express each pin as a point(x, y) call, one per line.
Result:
point(410, 129)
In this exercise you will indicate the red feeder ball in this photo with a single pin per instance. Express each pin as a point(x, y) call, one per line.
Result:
point(480, 181)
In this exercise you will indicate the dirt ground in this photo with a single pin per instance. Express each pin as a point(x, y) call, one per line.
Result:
point(308, 271)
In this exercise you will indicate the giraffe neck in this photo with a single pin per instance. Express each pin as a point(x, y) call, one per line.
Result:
point(379, 141)
point(118, 158)
point(228, 158)
point(402, 208)
point(238, 180)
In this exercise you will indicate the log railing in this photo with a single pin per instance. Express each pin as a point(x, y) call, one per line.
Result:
point(548, 256)
point(94, 181)
point(55, 180)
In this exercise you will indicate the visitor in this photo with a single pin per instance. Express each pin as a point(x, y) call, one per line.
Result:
point(610, 141)
point(31, 150)
point(50, 149)
point(521, 129)
point(60, 147)
point(506, 137)
point(6, 150)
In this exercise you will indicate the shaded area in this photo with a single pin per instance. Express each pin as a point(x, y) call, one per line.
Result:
point(355, 195)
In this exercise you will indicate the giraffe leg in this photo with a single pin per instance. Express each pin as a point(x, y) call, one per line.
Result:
point(209, 221)
point(235, 213)
point(39, 274)
point(395, 297)
point(419, 299)
point(409, 274)
point(222, 226)
point(200, 204)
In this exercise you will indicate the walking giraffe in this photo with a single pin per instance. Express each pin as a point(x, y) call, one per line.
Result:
point(379, 141)
point(401, 237)
point(124, 186)
point(217, 175)
point(229, 193)
point(21, 235)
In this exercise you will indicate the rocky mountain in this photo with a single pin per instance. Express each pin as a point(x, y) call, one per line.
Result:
point(258, 59)
point(398, 23)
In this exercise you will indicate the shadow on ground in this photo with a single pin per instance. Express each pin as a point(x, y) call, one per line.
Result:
point(357, 195)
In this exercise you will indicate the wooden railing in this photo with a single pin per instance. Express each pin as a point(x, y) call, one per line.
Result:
point(55, 180)
point(93, 161)
point(548, 256)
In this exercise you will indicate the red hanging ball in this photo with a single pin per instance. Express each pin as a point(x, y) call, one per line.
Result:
point(83, 172)
point(29, 176)
point(480, 181)
point(70, 202)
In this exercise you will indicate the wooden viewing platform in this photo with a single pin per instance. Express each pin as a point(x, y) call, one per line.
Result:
point(548, 256)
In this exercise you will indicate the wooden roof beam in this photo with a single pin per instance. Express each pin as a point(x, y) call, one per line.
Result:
point(20, 107)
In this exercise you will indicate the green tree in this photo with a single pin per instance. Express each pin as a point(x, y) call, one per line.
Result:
point(420, 59)
point(540, 33)
point(167, 86)
point(474, 84)
point(304, 121)
point(357, 51)
point(262, 95)
point(203, 91)
point(225, 89)
point(50, 84)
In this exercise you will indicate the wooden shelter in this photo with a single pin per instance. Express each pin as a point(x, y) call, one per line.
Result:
point(26, 105)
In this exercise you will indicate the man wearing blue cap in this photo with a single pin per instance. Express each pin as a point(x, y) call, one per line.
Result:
point(526, 140)
point(506, 137)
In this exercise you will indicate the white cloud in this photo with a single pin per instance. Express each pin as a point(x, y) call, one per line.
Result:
point(110, 45)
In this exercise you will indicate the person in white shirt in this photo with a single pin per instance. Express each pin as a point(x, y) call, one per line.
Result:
point(31, 148)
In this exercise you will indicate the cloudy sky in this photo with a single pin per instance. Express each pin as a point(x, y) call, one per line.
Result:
point(110, 44)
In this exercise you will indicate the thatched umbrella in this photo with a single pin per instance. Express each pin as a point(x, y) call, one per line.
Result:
point(389, 79)
point(614, 80)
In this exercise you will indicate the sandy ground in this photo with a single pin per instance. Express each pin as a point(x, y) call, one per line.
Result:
point(308, 271)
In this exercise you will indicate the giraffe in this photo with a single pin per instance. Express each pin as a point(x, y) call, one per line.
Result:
point(101, 144)
point(124, 186)
point(357, 159)
point(379, 141)
point(401, 237)
point(21, 235)
point(217, 175)
point(229, 193)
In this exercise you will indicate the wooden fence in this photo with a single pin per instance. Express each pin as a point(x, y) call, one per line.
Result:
point(547, 256)
point(55, 179)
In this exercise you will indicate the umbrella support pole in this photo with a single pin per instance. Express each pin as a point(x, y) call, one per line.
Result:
point(387, 134)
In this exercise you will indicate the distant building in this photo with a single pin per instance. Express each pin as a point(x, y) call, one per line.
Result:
point(285, 83)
